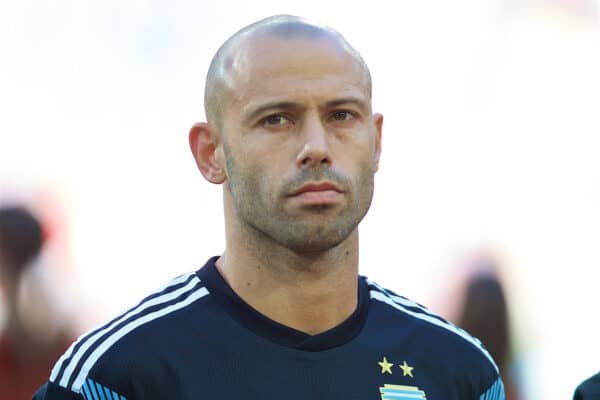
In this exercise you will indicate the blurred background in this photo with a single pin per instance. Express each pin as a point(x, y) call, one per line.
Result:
point(490, 161)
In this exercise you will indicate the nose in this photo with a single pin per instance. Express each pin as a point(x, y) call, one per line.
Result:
point(315, 148)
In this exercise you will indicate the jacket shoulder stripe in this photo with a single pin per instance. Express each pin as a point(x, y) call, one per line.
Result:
point(434, 320)
point(401, 299)
point(68, 361)
point(114, 337)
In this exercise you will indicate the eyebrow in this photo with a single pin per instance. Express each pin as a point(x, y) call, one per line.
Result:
point(290, 105)
point(282, 105)
point(358, 102)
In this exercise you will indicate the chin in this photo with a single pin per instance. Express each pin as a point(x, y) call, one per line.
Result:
point(314, 248)
point(317, 242)
point(302, 235)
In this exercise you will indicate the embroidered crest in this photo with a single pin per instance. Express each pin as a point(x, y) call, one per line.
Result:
point(400, 392)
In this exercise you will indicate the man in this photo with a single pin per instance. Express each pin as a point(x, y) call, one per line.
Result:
point(282, 313)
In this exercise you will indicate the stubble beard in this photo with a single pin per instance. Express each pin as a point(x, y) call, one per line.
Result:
point(317, 228)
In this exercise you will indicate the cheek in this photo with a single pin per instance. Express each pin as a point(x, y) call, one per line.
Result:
point(256, 178)
point(357, 157)
point(270, 162)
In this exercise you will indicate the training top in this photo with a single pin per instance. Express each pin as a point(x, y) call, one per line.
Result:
point(195, 339)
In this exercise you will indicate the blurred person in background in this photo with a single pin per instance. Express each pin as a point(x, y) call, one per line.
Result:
point(485, 315)
point(588, 389)
point(29, 342)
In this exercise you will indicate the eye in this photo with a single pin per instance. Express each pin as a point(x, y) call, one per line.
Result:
point(275, 120)
point(343, 115)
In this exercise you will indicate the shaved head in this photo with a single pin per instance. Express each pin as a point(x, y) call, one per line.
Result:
point(220, 77)
point(288, 104)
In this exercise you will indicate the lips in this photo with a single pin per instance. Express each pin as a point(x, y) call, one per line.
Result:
point(318, 194)
point(316, 187)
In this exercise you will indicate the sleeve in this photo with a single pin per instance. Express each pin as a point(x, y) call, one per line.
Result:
point(91, 390)
point(494, 392)
point(50, 391)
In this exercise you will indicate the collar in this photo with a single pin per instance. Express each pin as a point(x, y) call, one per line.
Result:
point(265, 327)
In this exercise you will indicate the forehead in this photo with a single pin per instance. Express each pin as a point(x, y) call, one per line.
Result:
point(268, 66)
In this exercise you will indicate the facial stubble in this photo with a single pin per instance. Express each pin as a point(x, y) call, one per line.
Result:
point(261, 207)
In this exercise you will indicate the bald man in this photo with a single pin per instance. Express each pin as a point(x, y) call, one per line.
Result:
point(282, 312)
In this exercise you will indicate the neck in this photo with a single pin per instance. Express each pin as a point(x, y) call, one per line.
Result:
point(310, 292)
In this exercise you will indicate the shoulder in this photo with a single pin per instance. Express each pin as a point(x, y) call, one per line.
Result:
point(588, 389)
point(453, 348)
point(110, 352)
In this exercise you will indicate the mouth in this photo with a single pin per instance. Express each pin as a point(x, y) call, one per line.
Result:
point(318, 193)
point(316, 187)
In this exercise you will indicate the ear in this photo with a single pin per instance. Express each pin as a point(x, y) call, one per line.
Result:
point(378, 122)
point(207, 151)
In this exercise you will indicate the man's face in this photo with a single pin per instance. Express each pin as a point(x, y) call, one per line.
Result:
point(300, 142)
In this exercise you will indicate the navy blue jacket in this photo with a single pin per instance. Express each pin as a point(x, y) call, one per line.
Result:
point(195, 339)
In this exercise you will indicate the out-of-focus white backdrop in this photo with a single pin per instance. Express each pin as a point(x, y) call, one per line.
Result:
point(491, 140)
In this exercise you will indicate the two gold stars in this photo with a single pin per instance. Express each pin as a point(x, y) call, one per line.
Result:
point(386, 366)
